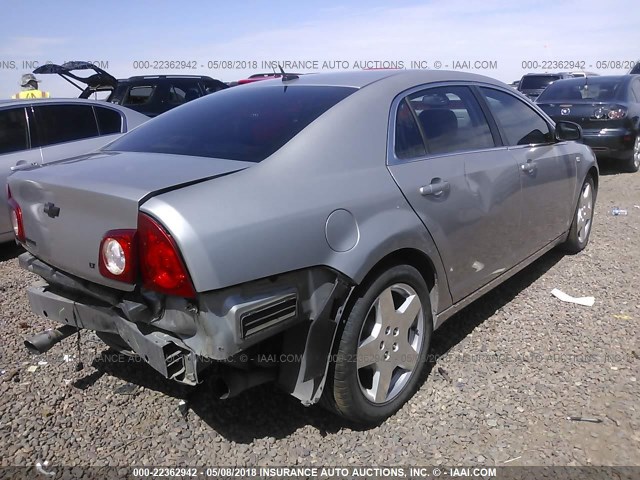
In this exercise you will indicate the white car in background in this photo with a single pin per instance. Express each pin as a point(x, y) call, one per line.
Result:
point(34, 132)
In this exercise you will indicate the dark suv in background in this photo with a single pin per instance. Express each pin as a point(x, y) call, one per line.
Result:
point(155, 94)
point(149, 94)
point(533, 84)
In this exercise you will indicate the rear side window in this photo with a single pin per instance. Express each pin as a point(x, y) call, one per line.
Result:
point(451, 120)
point(109, 121)
point(537, 82)
point(408, 141)
point(139, 95)
point(13, 130)
point(64, 123)
point(247, 124)
point(519, 123)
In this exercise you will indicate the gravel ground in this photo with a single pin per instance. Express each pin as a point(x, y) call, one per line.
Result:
point(506, 373)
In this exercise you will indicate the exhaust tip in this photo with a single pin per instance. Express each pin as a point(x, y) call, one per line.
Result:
point(43, 342)
point(32, 348)
point(221, 389)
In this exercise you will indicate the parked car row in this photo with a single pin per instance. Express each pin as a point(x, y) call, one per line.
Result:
point(533, 84)
point(328, 221)
point(147, 94)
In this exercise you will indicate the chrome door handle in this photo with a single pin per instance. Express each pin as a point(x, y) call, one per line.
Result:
point(435, 188)
point(528, 167)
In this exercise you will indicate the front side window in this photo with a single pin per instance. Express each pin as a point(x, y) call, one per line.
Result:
point(176, 95)
point(64, 123)
point(247, 124)
point(13, 130)
point(635, 90)
point(520, 123)
point(211, 86)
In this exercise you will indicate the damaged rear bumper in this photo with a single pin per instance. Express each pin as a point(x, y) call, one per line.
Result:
point(164, 352)
point(180, 338)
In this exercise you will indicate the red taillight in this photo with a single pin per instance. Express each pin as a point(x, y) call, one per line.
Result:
point(118, 255)
point(610, 112)
point(161, 267)
point(15, 212)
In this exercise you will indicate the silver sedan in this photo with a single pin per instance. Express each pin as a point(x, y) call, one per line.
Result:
point(309, 231)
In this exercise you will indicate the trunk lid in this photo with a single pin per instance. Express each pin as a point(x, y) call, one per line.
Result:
point(68, 206)
point(97, 82)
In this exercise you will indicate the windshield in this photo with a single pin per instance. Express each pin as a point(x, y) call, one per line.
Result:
point(592, 89)
point(537, 82)
point(247, 124)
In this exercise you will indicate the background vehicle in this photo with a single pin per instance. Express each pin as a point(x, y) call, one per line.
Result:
point(42, 131)
point(582, 74)
point(256, 77)
point(533, 84)
point(608, 110)
point(635, 69)
point(312, 232)
point(156, 94)
point(149, 94)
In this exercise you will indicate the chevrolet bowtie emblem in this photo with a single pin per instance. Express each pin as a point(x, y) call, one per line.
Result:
point(51, 210)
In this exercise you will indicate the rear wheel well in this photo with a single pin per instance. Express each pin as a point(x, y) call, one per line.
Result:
point(415, 258)
point(593, 173)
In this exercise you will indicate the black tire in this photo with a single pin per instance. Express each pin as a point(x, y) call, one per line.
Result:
point(577, 240)
point(633, 164)
point(346, 384)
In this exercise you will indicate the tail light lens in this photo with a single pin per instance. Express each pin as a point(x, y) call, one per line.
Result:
point(15, 212)
point(611, 112)
point(616, 112)
point(150, 251)
point(118, 255)
point(161, 266)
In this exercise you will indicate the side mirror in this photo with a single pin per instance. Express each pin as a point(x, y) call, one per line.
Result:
point(568, 131)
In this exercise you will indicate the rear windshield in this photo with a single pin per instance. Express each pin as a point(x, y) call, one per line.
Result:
point(240, 123)
point(537, 82)
point(593, 89)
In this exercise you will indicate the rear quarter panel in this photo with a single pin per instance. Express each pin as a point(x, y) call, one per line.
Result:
point(271, 218)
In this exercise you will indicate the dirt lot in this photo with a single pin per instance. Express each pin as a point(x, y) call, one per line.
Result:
point(506, 373)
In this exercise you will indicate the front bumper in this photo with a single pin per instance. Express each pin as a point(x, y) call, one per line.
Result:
point(180, 339)
point(612, 143)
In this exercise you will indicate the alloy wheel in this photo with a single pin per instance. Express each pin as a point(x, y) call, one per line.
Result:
point(390, 342)
point(584, 213)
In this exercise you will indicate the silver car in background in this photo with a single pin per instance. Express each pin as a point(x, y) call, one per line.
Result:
point(42, 131)
point(309, 231)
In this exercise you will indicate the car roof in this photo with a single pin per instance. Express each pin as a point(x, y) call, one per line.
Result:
point(547, 74)
point(362, 78)
point(68, 101)
point(595, 80)
point(41, 101)
point(162, 77)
